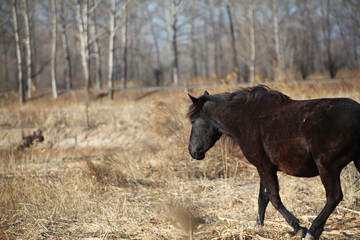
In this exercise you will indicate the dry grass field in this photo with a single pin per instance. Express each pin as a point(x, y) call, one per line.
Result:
point(121, 170)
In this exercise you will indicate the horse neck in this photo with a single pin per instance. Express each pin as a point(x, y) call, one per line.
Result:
point(224, 118)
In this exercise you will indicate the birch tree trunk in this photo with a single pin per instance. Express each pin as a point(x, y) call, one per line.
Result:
point(124, 43)
point(83, 42)
point(97, 52)
point(96, 43)
point(18, 52)
point(111, 49)
point(233, 44)
point(53, 50)
point(27, 48)
point(176, 77)
point(86, 24)
point(278, 57)
point(65, 44)
point(175, 65)
point(252, 41)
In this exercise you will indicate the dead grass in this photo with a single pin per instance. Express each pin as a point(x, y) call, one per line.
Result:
point(129, 176)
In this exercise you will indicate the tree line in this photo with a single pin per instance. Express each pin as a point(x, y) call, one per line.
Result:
point(67, 44)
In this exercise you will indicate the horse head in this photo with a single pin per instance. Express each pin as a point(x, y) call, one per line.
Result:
point(204, 132)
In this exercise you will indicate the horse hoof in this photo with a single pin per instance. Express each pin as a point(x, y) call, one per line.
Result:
point(258, 222)
point(301, 233)
point(309, 236)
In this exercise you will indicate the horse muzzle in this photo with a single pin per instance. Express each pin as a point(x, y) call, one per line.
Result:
point(197, 155)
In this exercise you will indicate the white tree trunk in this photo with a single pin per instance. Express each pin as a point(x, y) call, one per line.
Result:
point(111, 49)
point(278, 57)
point(83, 42)
point(98, 74)
point(18, 52)
point(85, 17)
point(65, 44)
point(124, 44)
point(233, 44)
point(174, 18)
point(194, 72)
point(96, 44)
point(53, 50)
point(27, 48)
point(252, 41)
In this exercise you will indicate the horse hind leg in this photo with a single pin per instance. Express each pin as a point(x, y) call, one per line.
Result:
point(334, 195)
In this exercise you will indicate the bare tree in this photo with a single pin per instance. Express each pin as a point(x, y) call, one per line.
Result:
point(66, 50)
point(216, 26)
point(176, 9)
point(252, 41)
point(233, 44)
point(277, 57)
point(124, 38)
point(53, 49)
point(158, 70)
point(194, 72)
point(82, 21)
point(27, 40)
point(111, 48)
point(331, 63)
point(18, 52)
point(337, 17)
point(354, 29)
point(304, 39)
point(205, 53)
point(113, 27)
point(95, 42)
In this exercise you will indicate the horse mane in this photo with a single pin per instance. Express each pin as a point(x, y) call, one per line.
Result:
point(259, 91)
point(249, 93)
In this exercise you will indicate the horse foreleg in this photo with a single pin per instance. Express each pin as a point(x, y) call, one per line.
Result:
point(263, 201)
point(334, 195)
point(271, 184)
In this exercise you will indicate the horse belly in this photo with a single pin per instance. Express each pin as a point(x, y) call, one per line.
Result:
point(294, 159)
point(299, 167)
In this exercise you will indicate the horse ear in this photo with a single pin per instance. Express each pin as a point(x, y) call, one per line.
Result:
point(206, 93)
point(193, 99)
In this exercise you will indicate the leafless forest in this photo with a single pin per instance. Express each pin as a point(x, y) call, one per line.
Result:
point(117, 44)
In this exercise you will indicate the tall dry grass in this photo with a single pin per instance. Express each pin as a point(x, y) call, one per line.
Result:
point(128, 174)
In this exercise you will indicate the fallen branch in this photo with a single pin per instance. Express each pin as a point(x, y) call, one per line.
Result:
point(349, 210)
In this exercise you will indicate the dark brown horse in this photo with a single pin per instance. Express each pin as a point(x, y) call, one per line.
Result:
point(301, 138)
